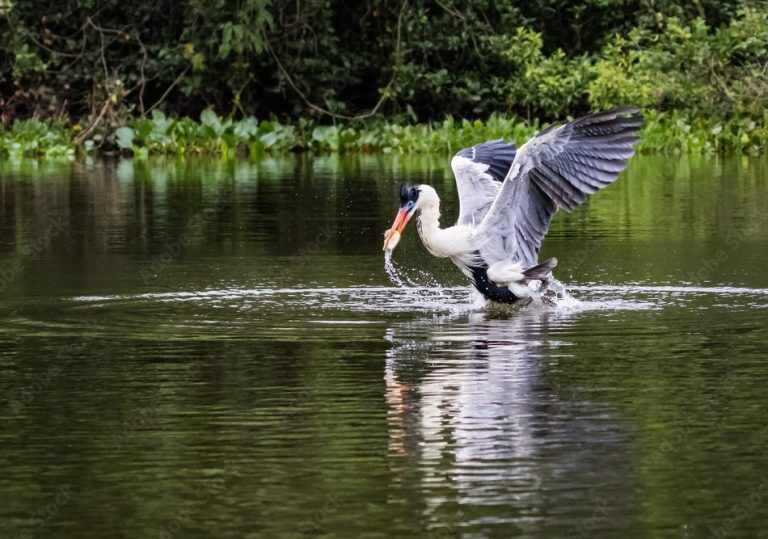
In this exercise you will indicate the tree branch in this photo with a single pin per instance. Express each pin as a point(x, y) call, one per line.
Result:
point(384, 92)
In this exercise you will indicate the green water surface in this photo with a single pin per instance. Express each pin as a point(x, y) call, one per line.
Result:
point(213, 349)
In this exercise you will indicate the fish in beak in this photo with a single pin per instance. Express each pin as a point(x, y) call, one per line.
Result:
point(408, 198)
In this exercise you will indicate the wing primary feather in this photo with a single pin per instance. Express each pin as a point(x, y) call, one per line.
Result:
point(558, 168)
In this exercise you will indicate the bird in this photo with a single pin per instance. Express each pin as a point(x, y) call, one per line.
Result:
point(508, 197)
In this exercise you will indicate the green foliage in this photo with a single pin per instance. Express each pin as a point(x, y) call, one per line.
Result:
point(5, 7)
point(688, 67)
point(35, 138)
point(676, 133)
point(699, 75)
point(421, 59)
point(27, 62)
point(551, 83)
point(228, 138)
point(663, 132)
point(212, 134)
point(222, 33)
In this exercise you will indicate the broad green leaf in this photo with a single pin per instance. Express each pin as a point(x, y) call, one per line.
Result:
point(124, 137)
point(208, 117)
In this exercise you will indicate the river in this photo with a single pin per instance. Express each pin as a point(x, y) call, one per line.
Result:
point(213, 348)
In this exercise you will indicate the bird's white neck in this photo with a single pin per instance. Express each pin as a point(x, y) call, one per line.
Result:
point(429, 218)
point(448, 242)
point(429, 228)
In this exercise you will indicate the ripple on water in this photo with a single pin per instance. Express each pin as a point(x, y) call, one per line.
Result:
point(435, 299)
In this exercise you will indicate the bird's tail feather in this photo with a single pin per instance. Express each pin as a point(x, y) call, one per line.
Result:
point(541, 271)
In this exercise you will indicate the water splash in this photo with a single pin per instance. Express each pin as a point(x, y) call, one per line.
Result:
point(423, 298)
point(560, 296)
point(422, 289)
point(555, 296)
point(392, 273)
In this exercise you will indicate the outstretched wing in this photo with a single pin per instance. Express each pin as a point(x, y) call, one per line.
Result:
point(479, 171)
point(558, 168)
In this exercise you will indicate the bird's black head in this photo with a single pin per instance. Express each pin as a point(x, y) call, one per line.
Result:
point(409, 196)
point(409, 193)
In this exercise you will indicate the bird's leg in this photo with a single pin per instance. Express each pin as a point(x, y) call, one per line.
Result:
point(542, 273)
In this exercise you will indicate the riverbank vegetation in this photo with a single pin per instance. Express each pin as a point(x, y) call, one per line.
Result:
point(663, 133)
point(405, 76)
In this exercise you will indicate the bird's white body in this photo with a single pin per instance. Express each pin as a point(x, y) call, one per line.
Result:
point(460, 243)
point(509, 196)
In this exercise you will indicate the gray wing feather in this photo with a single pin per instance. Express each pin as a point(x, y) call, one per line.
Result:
point(479, 171)
point(558, 168)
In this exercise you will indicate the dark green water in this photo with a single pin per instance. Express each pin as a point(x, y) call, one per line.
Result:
point(213, 349)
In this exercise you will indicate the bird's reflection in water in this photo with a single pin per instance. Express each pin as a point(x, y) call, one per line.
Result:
point(483, 434)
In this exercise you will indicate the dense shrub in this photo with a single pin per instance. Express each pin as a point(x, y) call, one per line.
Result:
point(422, 59)
point(336, 75)
point(688, 67)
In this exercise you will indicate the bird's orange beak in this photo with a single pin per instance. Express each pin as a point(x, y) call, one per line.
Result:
point(392, 236)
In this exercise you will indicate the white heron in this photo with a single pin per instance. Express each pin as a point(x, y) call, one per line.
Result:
point(508, 197)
